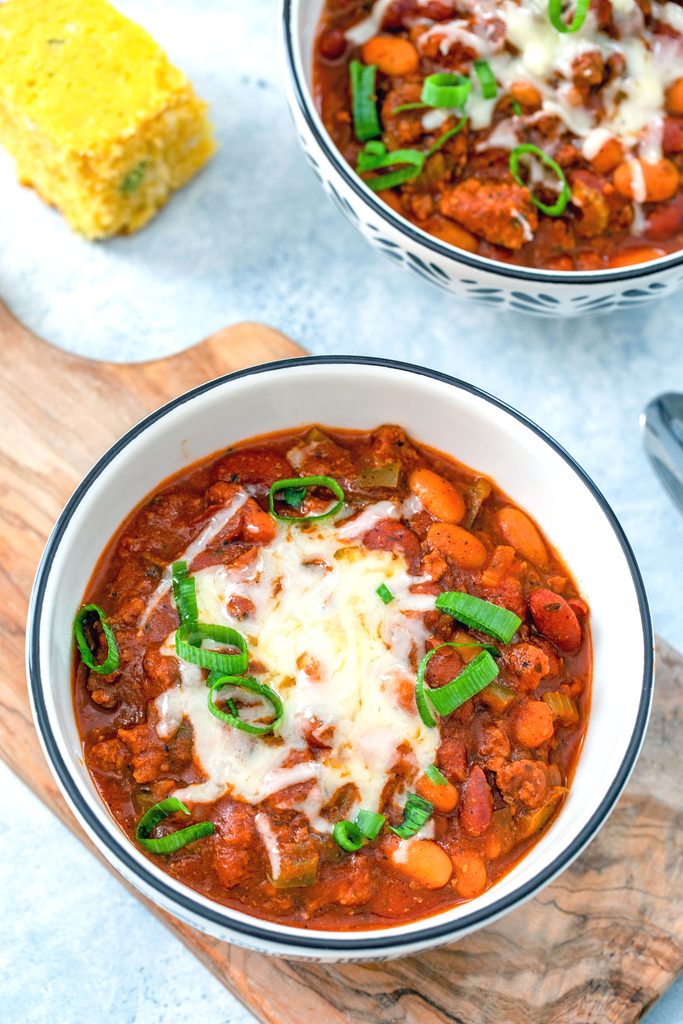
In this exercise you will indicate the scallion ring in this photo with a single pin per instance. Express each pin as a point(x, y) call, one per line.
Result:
point(435, 776)
point(556, 209)
point(188, 645)
point(490, 618)
point(421, 690)
point(446, 90)
point(481, 671)
point(416, 813)
point(111, 658)
point(384, 594)
point(558, 22)
point(370, 823)
point(408, 106)
point(232, 717)
point(446, 136)
point(305, 482)
point(487, 79)
point(184, 594)
point(174, 840)
point(347, 835)
point(364, 101)
point(376, 157)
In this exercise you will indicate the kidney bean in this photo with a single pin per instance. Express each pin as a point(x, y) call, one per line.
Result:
point(476, 805)
point(555, 619)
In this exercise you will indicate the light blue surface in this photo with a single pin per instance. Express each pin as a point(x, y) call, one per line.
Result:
point(254, 238)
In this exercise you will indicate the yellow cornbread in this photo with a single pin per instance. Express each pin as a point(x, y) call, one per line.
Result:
point(98, 120)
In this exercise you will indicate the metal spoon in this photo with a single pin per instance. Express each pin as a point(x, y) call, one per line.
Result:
point(662, 425)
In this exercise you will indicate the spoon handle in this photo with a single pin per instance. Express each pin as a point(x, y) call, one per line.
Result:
point(662, 428)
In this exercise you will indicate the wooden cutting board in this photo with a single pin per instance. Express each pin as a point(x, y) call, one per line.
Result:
point(599, 945)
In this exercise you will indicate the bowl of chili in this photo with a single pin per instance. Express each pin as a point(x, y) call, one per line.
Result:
point(305, 569)
point(507, 153)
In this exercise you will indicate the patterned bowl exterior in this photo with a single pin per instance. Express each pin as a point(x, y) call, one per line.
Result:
point(506, 287)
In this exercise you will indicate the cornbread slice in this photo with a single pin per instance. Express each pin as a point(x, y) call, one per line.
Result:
point(98, 120)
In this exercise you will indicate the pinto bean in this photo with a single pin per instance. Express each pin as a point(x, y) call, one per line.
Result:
point(641, 254)
point(458, 544)
point(439, 496)
point(661, 179)
point(424, 862)
point(555, 619)
point(469, 874)
point(476, 805)
point(674, 97)
point(526, 94)
point(444, 798)
point(392, 55)
point(609, 156)
point(532, 724)
point(522, 535)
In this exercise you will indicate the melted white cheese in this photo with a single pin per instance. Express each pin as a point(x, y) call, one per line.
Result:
point(338, 657)
point(530, 49)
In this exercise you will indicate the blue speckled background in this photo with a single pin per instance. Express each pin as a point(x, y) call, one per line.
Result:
point(254, 238)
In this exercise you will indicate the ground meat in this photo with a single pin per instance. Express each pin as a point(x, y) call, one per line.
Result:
point(389, 535)
point(523, 782)
point(108, 756)
point(499, 211)
point(526, 665)
point(161, 673)
point(348, 884)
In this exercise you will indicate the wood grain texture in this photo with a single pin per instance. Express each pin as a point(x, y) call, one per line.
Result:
point(599, 945)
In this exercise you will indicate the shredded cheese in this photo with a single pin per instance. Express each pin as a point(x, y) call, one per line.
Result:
point(342, 662)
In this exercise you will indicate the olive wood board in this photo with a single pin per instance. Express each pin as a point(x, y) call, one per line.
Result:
point(600, 944)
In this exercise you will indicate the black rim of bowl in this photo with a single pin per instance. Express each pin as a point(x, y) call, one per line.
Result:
point(450, 252)
point(420, 931)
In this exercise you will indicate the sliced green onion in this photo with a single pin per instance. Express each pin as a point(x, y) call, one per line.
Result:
point(185, 594)
point(446, 90)
point(435, 776)
point(304, 482)
point(370, 823)
point(232, 716)
point(408, 106)
point(385, 594)
point(517, 108)
point(481, 671)
point(174, 840)
point(558, 22)
point(477, 614)
point(487, 79)
point(565, 193)
point(416, 813)
point(364, 101)
point(446, 136)
point(376, 157)
point(420, 690)
point(347, 835)
point(188, 645)
point(111, 660)
point(293, 496)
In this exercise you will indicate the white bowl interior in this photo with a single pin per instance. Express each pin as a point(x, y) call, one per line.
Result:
point(471, 429)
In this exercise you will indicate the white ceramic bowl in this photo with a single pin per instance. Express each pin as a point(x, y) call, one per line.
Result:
point(440, 411)
point(539, 292)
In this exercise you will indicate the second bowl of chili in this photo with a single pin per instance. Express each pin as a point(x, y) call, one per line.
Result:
point(503, 152)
